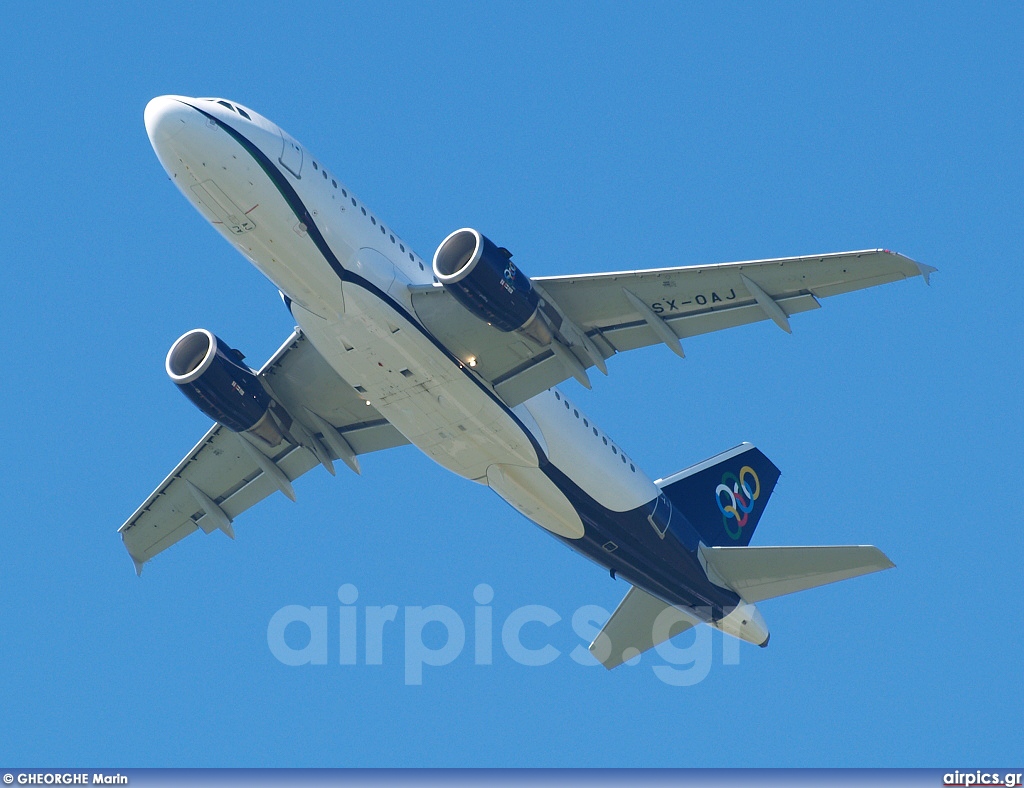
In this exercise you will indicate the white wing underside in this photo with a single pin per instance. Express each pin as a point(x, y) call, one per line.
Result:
point(224, 470)
point(688, 301)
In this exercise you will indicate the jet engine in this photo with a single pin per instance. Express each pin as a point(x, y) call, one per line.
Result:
point(483, 278)
point(212, 375)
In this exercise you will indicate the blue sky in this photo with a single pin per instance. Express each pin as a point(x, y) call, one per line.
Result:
point(584, 139)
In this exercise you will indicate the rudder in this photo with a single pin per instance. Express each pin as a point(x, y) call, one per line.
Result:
point(724, 496)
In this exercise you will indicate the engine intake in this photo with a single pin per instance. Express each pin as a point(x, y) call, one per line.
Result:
point(212, 375)
point(483, 278)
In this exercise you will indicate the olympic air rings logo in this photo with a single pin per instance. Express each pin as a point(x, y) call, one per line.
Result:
point(735, 497)
point(508, 280)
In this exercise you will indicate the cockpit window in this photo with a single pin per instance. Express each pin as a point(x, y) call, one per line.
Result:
point(228, 105)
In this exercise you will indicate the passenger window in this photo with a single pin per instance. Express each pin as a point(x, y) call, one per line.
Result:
point(567, 404)
point(345, 194)
point(363, 210)
point(585, 424)
point(623, 456)
point(421, 266)
point(325, 174)
point(595, 432)
point(575, 413)
point(633, 469)
point(605, 441)
point(382, 230)
point(614, 450)
point(558, 396)
point(402, 247)
point(314, 166)
point(392, 239)
point(353, 200)
point(373, 219)
point(334, 183)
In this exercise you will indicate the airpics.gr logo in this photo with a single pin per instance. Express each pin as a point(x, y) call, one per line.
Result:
point(735, 499)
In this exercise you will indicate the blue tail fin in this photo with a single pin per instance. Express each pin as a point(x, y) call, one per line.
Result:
point(724, 497)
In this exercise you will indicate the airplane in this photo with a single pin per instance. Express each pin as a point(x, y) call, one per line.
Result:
point(461, 357)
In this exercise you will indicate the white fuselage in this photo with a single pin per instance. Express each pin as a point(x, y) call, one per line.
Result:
point(347, 278)
point(432, 398)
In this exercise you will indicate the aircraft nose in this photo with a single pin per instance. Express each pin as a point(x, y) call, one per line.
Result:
point(165, 117)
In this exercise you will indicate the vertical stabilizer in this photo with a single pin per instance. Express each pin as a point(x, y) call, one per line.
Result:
point(724, 497)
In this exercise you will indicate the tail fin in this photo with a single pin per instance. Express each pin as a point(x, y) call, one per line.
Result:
point(724, 497)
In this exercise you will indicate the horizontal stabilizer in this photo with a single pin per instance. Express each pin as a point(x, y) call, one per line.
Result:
point(757, 573)
point(639, 623)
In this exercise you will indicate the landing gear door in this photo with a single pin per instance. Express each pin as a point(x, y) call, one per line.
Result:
point(291, 156)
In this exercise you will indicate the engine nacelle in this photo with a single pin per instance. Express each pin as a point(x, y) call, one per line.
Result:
point(484, 279)
point(212, 375)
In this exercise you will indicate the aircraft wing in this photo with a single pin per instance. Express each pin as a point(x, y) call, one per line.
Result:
point(630, 309)
point(232, 474)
